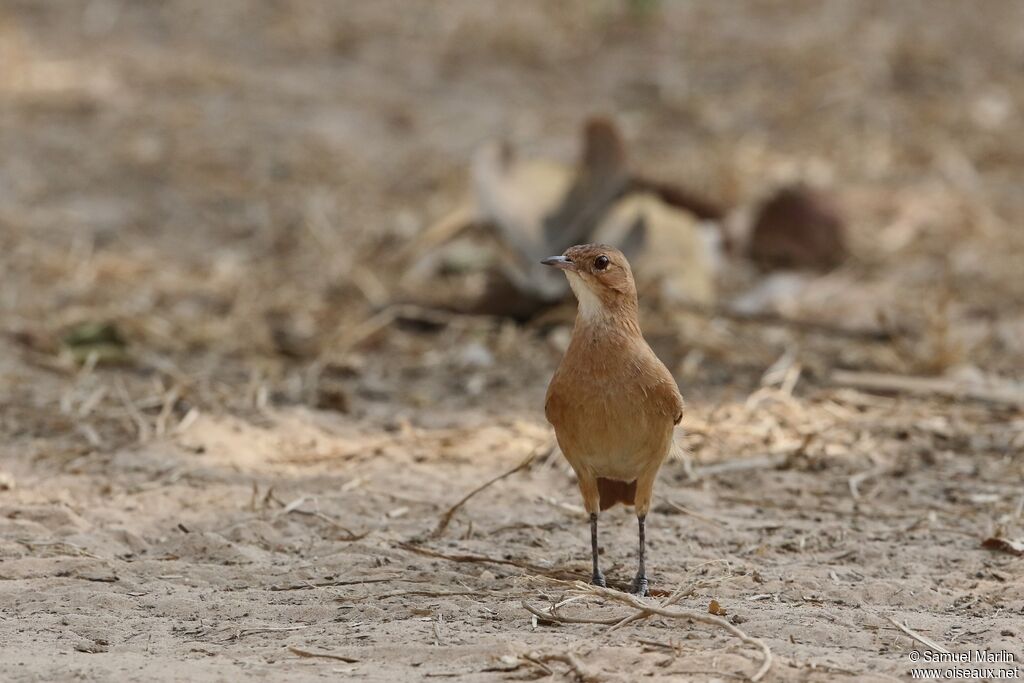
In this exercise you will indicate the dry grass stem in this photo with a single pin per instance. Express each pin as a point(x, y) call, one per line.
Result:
point(928, 386)
point(446, 518)
point(322, 655)
point(142, 428)
point(696, 515)
point(645, 610)
point(550, 572)
point(854, 482)
point(296, 507)
point(420, 594)
point(927, 642)
point(552, 616)
point(741, 464)
point(778, 320)
point(580, 671)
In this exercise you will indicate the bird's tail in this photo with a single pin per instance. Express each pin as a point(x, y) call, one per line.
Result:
point(613, 491)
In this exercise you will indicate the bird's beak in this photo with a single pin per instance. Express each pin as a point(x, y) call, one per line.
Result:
point(559, 262)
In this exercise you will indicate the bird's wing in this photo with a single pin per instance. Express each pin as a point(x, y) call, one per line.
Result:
point(671, 400)
point(552, 402)
point(661, 387)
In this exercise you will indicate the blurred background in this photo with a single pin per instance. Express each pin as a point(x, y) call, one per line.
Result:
point(270, 303)
point(232, 189)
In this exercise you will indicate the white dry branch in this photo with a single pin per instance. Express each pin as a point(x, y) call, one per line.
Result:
point(645, 609)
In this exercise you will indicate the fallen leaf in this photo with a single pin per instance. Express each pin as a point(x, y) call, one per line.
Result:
point(716, 609)
point(1006, 545)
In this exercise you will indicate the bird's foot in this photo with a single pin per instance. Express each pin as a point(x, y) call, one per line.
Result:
point(639, 586)
point(598, 580)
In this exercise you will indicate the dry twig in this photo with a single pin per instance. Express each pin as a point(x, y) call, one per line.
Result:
point(331, 584)
point(774, 319)
point(254, 630)
point(296, 507)
point(927, 642)
point(696, 515)
point(420, 593)
point(741, 464)
point(928, 386)
point(323, 655)
point(348, 338)
point(645, 609)
point(564, 574)
point(676, 596)
point(581, 672)
point(141, 425)
point(632, 600)
point(859, 478)
point(551, 616)
point(447, 517)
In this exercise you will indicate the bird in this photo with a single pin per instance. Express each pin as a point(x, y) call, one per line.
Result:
point(612, 402)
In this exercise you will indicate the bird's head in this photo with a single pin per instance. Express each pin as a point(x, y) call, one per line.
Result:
point(600, 278)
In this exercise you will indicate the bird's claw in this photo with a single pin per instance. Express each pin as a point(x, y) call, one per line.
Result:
point(598, 580)
point(639, 586)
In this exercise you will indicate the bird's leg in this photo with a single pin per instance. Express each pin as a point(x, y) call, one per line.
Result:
point(640, 581)
point(644, 489)
point(597, 578)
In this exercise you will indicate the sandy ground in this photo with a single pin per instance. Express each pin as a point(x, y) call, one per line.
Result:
point(225, 180)
point(177, 561)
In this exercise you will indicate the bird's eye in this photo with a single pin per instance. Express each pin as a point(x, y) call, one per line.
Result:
point(601, 262)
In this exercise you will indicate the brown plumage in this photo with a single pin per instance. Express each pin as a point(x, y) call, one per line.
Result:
point(611, 492)
point(613, 404)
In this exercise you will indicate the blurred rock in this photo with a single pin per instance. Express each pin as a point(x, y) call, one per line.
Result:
point(537, 208)
point(475, 355)
point(475, 384)
point(778, 292)
point(798, 228)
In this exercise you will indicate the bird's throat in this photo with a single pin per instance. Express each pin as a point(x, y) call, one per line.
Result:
point(591, 309)
point(597, 312)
